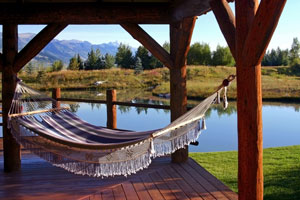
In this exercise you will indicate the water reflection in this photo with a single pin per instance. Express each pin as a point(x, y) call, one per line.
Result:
point(280, 121)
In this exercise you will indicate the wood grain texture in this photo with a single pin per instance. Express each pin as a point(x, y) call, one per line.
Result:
point(56, 94)
point(226, 21)
point(162, 180)
point(147, 41)
point(12, 154)
point(37, 44)
point(85, 13)
point(1, 62)
point(261, 31)
point(180, 38)
point(249, 109)
point(189, 8)
point(111, 96)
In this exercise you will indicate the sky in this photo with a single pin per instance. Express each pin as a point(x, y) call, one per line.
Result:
point(206, 30)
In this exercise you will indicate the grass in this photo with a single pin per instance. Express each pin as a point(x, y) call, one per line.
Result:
point(281, 170)
point(201, 81)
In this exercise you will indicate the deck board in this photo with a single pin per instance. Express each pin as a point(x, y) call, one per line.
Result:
point(162, 180)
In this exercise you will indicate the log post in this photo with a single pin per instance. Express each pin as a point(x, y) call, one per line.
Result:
point(111, 96)
point(56, 95)
point(180, 38)
point(12, 153)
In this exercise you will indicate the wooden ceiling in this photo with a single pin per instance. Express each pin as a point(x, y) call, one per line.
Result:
point(99, 11)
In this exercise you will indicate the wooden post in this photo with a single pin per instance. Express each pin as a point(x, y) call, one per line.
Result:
point(255, 24)
point(180, 35)
point(111, 96)
point(12, 153)
point(56, 95)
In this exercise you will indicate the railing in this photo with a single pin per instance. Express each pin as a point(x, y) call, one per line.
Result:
point(111, 103)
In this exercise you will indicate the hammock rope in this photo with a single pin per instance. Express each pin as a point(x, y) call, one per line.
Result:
point(60, 137)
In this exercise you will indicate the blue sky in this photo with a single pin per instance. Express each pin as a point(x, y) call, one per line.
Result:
point(206, 30)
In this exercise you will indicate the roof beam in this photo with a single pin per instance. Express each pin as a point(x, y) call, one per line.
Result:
point(189, 8)
point(85, 13)
point(1, 62)
point(262, 29)
point(140, 35)
point(226, 21)
point(37, 44)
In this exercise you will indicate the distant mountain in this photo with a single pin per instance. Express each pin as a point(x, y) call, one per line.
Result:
point(65, 49)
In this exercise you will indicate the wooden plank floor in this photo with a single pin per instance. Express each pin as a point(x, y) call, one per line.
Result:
point(162, 180)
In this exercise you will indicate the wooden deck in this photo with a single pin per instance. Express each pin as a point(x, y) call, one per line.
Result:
point(162, 180)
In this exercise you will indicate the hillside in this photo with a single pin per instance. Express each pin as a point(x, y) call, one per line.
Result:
point(65, 49)
point(201, 81)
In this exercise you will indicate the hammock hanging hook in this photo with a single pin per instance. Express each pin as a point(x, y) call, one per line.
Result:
point(227, 81)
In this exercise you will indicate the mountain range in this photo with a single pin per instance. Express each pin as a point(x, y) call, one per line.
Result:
point(65, 49)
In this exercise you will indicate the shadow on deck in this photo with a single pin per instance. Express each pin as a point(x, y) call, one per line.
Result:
point(162, 180)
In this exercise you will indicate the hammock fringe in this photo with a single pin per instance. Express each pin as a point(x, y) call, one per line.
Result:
point(68, 142)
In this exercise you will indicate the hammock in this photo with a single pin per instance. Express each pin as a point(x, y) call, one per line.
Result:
point(62, 138)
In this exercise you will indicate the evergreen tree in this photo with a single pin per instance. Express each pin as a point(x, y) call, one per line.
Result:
point(294, 54)
point(147, 59)
point(222, 56)
point(199, 54)
point(166, 46)
point(124, 57)
point(29, 68)
point(57, 66)
point(109, 61)
point(92, 61)
point(276, 57)
point(144, 56)
point(73, 64)
point(80, 62)
point(138, 67)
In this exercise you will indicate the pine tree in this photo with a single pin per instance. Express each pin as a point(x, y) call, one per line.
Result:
point(124, 57)
point(138, 67)
point(109, 61)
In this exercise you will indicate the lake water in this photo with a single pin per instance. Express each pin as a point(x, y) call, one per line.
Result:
point(280, 123)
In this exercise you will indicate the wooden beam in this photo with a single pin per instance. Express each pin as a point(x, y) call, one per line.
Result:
point(262, 29)
point(111, 97)
point(180, 38)
point(226, 21)
point(189, 8)
point(85, 13)
point(12, 157)
point(1, 62)
point(249, 109)
point(140, 35)
point(37, 44)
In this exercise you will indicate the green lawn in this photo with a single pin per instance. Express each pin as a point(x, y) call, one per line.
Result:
point(281, 170)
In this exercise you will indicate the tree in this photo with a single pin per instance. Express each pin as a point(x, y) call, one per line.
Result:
point(29, 68)
point(166, 46)
point(147, 59)
point(80, 62)
point(222, 56)
point(124, 57)
point(92, 62)
point(199, 54)
point(276, 57)
point(109, 61)
point(73, 64)
point(294, 53)
point(138, 68)
point(57, 66)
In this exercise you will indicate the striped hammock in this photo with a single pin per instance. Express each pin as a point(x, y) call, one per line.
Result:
point(59, 136)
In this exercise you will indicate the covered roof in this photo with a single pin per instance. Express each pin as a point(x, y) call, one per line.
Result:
point(99, 11)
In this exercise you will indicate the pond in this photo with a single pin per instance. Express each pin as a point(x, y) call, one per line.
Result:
point(280, 122)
